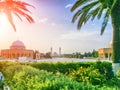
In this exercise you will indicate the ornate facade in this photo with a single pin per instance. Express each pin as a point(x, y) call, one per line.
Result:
point(17, 49)
point(105, 52)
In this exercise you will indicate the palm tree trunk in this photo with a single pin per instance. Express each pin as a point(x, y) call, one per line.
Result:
point(116, 35)
point(115, 16)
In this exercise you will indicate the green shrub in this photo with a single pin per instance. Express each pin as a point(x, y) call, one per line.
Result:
point(21, 76)
point(118, 73)
point(6, 64)
point(61, 67)
point(88, 75)
point(9, 71)
point(29, 78)
point(104, 68)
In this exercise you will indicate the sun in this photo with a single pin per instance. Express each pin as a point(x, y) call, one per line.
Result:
point(3, 20)
point(4, 25)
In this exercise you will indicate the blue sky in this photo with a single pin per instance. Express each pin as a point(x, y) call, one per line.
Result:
point(53, 28)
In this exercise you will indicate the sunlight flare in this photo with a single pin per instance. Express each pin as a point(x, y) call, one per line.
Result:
point(3, 20)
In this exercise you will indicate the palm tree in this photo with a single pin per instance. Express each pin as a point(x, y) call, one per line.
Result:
point(9, 7)
point(91, 9)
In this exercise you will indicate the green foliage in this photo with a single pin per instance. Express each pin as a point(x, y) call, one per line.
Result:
point(64, 68)
point(11, 70)
point(118, 73)
point(29, 78)
point(61, 67)
point(6, 64)
point(104, 68)
point(21, 76)
point(86, 75)
point(97, 73)
point(89, 10)
point(79, 55)
point(95, 53)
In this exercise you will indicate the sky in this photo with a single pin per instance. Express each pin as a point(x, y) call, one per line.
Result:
point(53, 28)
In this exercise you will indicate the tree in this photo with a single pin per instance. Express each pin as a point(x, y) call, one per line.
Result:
point(48, 55)
point(90, 9)
point(9, 7)
point(95, 53)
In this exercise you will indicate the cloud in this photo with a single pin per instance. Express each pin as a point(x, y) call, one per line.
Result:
point(78, 35)
point(53, 24)
point(44, 20)
point(85, 40)
point(68, 5)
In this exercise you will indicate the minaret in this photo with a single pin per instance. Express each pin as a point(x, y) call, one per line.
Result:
point(51, 50)
point(59, 51)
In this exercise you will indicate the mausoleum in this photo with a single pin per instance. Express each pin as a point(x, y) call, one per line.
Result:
point(17, 49)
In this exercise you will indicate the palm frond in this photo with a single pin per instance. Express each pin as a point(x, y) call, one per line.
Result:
point(76, 15)
point(91, 14)
point(84, 14)
point(89, 6)
point(94, 13)
point(90, 9)
point(9, 16)
point(106, 18)
point(100, 12)
point(114, 2)
point(24, 3)
point(81, 20)
point(21, 5)
point(78, 3)
point(28, 17)
point(16, 7)
point(23, 8)
point(17, 15)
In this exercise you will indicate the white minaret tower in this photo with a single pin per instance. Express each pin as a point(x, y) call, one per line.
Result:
point(59, 51)
point(51, 50)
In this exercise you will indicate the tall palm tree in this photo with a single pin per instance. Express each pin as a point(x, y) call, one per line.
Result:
point(91, 9)
point(19, 8)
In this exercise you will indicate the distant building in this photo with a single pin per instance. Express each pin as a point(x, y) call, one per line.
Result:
point(59, 51)
point(105, 52)
point(17, 49)
point(55, 54)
